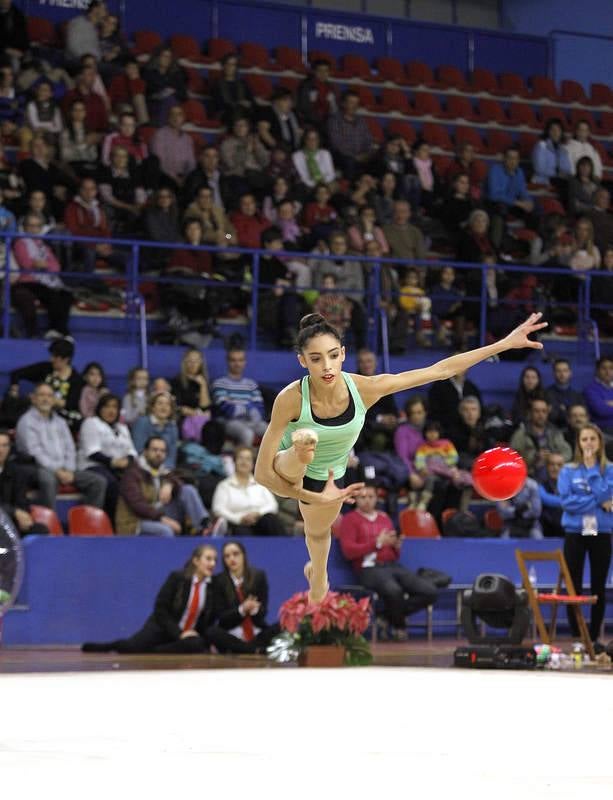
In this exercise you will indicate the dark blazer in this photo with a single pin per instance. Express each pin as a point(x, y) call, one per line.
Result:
point(226, 602)
point(13, 488)
point(170, 604)
point(443, 402)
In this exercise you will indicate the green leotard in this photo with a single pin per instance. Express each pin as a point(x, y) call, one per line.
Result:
point(335, 441)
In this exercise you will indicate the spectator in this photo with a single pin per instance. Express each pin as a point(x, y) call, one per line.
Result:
point(332, 305)
point(128, 89)
point(246, 507)
point(207, 173)
point(11, 184)
point(162, 224)
point(45, 436)
point(465, 162)
point(550, 158)
point(39, 172)
point(134, 401)
point(394, 156)
point(243, 158)
point(317, 97)
point(457, 207)
point(79, 144)
point(280, 306)
point(522, 513)
point(238, 401)
point(94, 388)
point(279, 193)
point(82, 33)
point(602, 293)
point(277, 124)
point(469, 435)
point(96, 114)
point(602, 219)
point(438, 457)
point(190, 263)
point(350, 138)
point(14, 40)
point(385, 198)
point(530, 387)
point(181, 615)
point(580, 147)
point(249, 222)
point(39, 280)
point(15, 480)
point(475, 242)
point(240, 595)
point(127, 137)
point(159, 422)
point(174, 148)
point(113, 46)
point(369, 540)
point(8, 223)
point(444, 397)
point(65, 382)
point(319, 216)
point(42, 112)
point(413, 301)
point(230, 94)
point(313, 163)
point(447, 307)
point(599, 395)
point(365, 230)
point(216, 227)
point(407, 438)
point(382, 417)
point(190, 389)
point(166, 85)
point(560, 395)
point(405, 240)
point(577, 417)
point(586, 489)
point(583, 254)
point(506, 192)
point(106, 448)
point(551, 514)
point(37, 204)
point(425, 187)
point(153, 501)
point(537, 437)
point(98, 85)
point(122, 193)
point(85, 217)
point(582, 187)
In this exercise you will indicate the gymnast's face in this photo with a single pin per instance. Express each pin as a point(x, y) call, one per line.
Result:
point(323, 356)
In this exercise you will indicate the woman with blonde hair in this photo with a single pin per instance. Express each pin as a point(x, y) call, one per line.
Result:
point(160, 420)
point(191, 391)
point(585, 487)
point(584, 254)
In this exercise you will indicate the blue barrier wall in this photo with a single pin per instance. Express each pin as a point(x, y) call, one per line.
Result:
point(78, 589)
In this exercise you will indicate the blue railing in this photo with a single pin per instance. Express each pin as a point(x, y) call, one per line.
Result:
point(377, 325)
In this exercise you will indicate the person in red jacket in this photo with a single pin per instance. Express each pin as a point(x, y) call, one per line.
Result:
point(85, 216)
point(250, 224)
point(97, 118)
point(368, 539)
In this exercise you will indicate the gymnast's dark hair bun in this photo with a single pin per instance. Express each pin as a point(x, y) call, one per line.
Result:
point(313, 325)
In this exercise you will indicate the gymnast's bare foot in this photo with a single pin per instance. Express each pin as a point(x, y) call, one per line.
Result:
point(305, 441)
point(316, 593)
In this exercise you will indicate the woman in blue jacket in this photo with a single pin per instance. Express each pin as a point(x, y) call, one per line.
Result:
point(586, 493)
point(550, 159)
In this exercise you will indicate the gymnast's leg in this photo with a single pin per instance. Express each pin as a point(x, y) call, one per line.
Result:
point(291, 464)
point(318, 536)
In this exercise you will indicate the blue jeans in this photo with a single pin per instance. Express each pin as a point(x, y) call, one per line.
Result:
point(187, 504)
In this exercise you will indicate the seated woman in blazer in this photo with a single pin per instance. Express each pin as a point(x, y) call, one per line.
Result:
point(240, 600)
point(181, 615)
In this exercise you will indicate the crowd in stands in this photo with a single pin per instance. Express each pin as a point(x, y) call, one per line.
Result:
point(107, 145)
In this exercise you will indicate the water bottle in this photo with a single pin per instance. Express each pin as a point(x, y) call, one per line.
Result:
point(532, 577)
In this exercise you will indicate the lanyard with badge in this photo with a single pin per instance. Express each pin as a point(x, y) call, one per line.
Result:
point(589, 521)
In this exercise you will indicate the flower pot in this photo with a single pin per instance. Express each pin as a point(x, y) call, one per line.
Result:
point(322, 655)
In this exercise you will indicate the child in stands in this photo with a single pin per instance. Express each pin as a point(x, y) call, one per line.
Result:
point(134, 402)
point(438, 456)
point(95, 387)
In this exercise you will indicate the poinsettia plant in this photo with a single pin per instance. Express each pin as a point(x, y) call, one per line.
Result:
point(339, 619)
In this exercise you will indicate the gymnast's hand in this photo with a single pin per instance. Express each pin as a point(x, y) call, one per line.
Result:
point(332, 494)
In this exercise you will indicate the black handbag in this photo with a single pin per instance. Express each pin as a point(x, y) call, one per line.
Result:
point(440, 579)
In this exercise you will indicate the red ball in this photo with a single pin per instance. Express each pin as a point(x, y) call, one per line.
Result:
point(499, 473)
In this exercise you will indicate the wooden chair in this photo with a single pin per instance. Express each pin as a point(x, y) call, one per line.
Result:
point(570, 599)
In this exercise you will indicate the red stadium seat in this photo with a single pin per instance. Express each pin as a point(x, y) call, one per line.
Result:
point(398, 127)
point(47, 516)
point(418, 524)
point(512, 85)
point(498, 141)
point(41, 31)
point(376, 131)
point(480, 170)
point(322, 55)
point(581, 115)
point(186, 47)
point(88, 521)
point(605, 123)
point(493, 520)
point(484, 80)
point(442, 163)
point(287, 82)
point(420, 74)
point(146, 42)
point(447, 514)
point(551, 205)
point(254, 55)
point(451, 77)
point(260, 86)
point(546, 113)
point(573, 92)
point(289, 58)
point(543, 88)
point(436, 135)
point(394, 100)
point(472, 136)
point(601, 94)
point(353, 66)
point(490, 111)
point(522, 114)
point(390, 69)
point(218, 48)
point(146, 133)
point(196, 82)
point(458, 107)
point(194, 113)
point(426, 104)
point(367, 98)
point(526, 142)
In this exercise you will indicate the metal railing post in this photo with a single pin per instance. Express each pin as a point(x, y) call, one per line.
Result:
point(483, 314)
point(255, 277)
point(132, 294)
point(6, 311)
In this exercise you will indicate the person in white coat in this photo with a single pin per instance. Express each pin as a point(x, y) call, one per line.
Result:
point(243, 507)
point(580, 146)
point(106, 448)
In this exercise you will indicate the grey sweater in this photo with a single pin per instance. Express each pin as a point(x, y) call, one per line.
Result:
point(47, 439)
